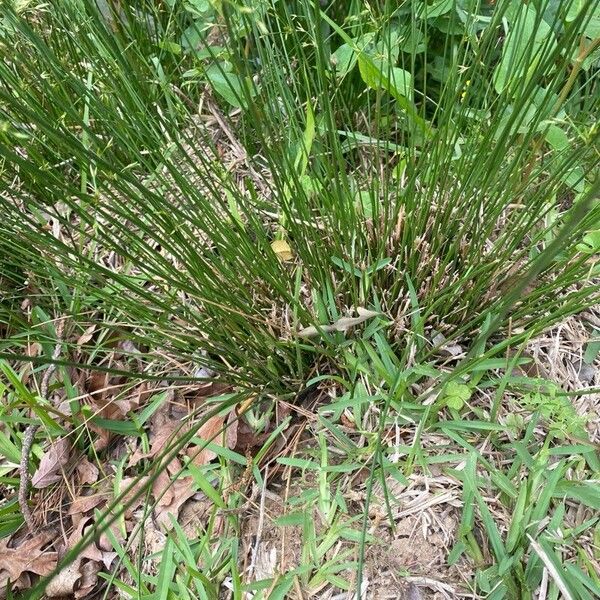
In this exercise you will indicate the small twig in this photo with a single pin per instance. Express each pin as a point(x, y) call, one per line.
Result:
point(259, 527)
point(239, 149)
point(25, 476)
point(543, 589)
point(48, 374)
point(236, 145)
point(29, 435)
point(186, 99)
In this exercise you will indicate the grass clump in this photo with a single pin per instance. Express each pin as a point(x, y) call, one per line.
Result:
point(451, 219)
point(380, 200)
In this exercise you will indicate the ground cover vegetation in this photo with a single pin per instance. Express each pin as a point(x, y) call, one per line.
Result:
point(300, 299)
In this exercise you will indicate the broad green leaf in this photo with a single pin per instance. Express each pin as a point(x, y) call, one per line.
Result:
point(411, 41)
point(198, 6)
point(557, 138)
point(377, 75)
point(205, 486)
point(575, 179)
point(364, 202)
point(591, 29)
point(377, 266)
point(586, 492)
point(228, 85)
point(169, 46)
point(388, 48)
point(538, 108)
point(429, 10)
point(310, 185)
point(515, 531)
point(369, 66)
point(455, 402)
point(165, 572)
point(9, 451)
point(346, 266)
point(300, 463)
point(343, 59)
point(590, 243)
point(592, 584)
point(491, 528)
point(527, 36)
point(402, 82)
point(553, 563)
point(449, 23)
point(291, 519)
point(282, 588)
point(192, 37)
point(121, 427)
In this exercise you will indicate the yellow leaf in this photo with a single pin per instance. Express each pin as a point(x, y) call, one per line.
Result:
point(282, 250)
point(244, 405)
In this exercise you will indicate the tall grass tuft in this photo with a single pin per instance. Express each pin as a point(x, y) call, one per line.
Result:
point(421, 160)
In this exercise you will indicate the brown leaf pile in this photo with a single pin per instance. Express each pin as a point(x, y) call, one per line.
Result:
point(52, 464)
point(90, 489)
point(32, 556)
point(21, 560)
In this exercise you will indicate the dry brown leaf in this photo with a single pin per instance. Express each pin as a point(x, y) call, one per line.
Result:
point(162, 490)
point(170, 497)
point(83, 504)
point(23, 583)
point(103, 388)
point(64, 583)
point(107, 558)
point(103, 437)
point(208, 431)
point(231, 433)
point(164, 433)
point(107, 407)
point(206, 390)
point(143, 392)
point(346, 422)
point(154, 542)
point(33, 349)
point(91, 551)
point(165, 429)
point(194, 514)
point(87, 471)
point(104, 542)
point(52, 463)
point(97, 385)
point(89, 578)
point(86, 336)
point(214, 431)
point(139, 487)
point(439, 341)
point(247, 438)
point(128, 347)
point(28, 557)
